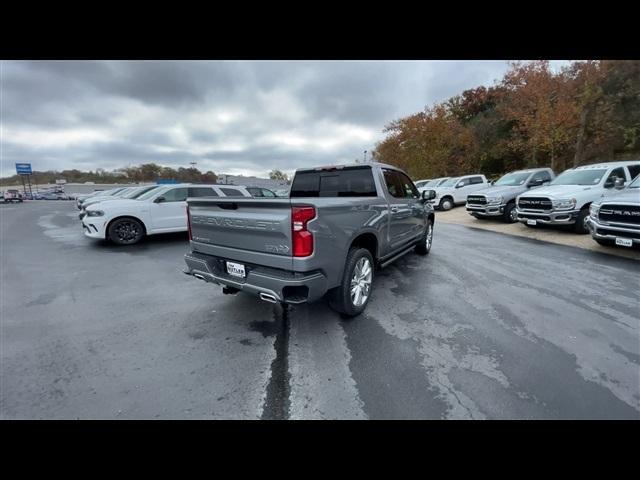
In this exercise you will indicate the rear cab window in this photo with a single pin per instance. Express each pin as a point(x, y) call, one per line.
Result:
point(231, 192)
point(202, 192)
point(343, 182)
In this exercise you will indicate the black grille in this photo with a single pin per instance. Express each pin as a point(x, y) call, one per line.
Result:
point(606, 231)
point(476, 200)
point(620, 213)
point(534, 203)
point(533, 216)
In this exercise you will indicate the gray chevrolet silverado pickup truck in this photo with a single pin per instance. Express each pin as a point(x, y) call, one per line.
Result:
point(338, 224)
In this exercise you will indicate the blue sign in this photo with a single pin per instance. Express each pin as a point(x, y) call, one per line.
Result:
point(23, 168)
point(166, 181)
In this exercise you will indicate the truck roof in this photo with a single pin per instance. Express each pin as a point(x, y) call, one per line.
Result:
point(340, 166)
point(607, 164)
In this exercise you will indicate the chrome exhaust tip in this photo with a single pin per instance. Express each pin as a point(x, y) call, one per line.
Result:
point(268, 297)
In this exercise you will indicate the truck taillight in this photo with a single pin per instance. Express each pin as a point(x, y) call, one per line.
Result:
point(301, 238)
point(189, 222)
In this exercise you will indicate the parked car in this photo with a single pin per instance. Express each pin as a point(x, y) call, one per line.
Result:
point(12, 195)
point(435, 182)
point(282, 192)
point(160, 210)
point(337, 225)
point(614, 219)
point(499, 200)
point(130, 193)
point(566, 200)
point(454, 191)
point(105, 193)
point(260, 192)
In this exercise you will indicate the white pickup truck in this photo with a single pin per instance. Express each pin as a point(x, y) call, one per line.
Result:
point(455, 190)
point(566, 200)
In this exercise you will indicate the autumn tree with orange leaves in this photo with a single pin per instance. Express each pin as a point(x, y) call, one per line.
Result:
point(587, 112)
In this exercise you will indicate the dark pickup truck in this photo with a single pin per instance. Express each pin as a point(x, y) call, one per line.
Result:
point(338, 224)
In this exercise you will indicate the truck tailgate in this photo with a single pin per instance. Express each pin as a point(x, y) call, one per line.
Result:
point(243, 229)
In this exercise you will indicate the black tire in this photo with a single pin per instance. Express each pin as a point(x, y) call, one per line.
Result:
point(340, 297)
point(424, 247)
point(446, 203)
point(580, 226)
point(126, 231)
point(510, 213)
point(605, 242)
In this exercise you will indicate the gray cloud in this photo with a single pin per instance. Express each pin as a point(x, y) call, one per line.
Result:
point(230, 116)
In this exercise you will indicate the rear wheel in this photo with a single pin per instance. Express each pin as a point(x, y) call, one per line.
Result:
point(126, 231)
point(424, 246)
point(581, 222)
point(352, 296)
point(510, 214)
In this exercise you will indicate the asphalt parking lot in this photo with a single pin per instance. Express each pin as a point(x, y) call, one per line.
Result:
point(487, 326)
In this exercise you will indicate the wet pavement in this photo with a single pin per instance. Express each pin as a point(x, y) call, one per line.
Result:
point(486, 326)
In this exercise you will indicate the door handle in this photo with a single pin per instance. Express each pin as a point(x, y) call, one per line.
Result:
point(394, 209)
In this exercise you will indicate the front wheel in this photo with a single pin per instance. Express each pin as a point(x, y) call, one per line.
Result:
point(126, 231)
point(352, 296)
point(581, 222)
point(424, 246)
point(510, 213)
point(446, 204)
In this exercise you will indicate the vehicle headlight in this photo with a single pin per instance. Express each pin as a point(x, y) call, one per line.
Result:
point(95, 213)
point(494, 200)
point(564, 203)
point(593, 210)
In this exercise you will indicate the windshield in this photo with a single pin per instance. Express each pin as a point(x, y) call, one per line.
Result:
point(139, 191)
point(451, 182)
point(513, 179)
point(635, 183)
point(580, 177)
point(150, 193)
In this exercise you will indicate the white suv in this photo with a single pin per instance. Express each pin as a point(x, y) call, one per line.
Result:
point(455, 190)
point(566, 200)
point(161, 210)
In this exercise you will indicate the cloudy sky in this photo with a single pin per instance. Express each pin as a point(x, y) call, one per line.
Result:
point(234, 117)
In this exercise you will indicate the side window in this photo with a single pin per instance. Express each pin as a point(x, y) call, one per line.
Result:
point(475, 180)
point(175, 195)
point(256, 192)
point(542, 175)
point(409, 189)
point(615, 173)
point(231, 192)
point(202, 192)
point(268, 193)
point(463, 182)
point(634, 170)
point(393, 185)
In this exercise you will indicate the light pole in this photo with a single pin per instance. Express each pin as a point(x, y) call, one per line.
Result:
point(365, 156)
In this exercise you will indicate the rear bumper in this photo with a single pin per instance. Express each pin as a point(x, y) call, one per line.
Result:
point(283, 286)
point(486, 210)
point(566, 217)
point(610, 232)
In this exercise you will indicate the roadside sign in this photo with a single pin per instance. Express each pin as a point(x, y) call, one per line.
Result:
point(23, 168)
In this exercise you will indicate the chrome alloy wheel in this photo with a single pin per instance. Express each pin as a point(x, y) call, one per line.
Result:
point(361, 282)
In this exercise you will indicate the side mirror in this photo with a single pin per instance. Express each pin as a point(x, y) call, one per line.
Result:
point(535, 183)
point(609, 184)
point(159, 200)
point(619, 183)
point(493, 182)
point(428, 195)
point(460, 185)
